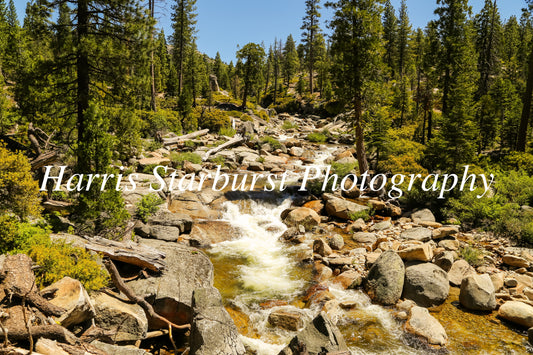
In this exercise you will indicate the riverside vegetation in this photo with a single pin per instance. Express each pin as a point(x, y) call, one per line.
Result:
point(96, 87)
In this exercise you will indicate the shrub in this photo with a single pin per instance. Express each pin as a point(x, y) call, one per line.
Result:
point(317, 137)
point(246, 118)
point(56, 259)
point(214, 120)
point(19, 193)
point(289, 125)
point(229, 132)
point(218, 160)
point(274, 143)
point(178, 159)
point(366, 215)
point(472, 255)
point(147, 206)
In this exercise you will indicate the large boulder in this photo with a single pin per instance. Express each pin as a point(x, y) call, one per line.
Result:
point(340, 208)
point(385, 279)
point(70, 294)
point(302, 216)
point(477, 293)
point(426, 284)
point(320, 336)
point(423, 324)
point(213, 330)
point(424, 215)
point(171, 292)
point(286, 319)
point(517, 312)
point(166, 218)
point(459, 270)
point(127, 322)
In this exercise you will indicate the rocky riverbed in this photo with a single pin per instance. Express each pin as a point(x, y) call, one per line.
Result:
point(257, 272)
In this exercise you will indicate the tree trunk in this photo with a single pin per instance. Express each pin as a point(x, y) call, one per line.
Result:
point(82, 69)
point(181, 44)
point(359, 135)
point(526, 109)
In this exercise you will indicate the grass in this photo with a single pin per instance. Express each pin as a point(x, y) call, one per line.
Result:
point(227, 131)
point(274, 143)
point(317, 137)
point(178, 159)
point(289, 125)
point(473, 256)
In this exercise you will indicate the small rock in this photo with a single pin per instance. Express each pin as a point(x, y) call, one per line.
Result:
point(444, 260)
point(349, 279)
point(423, 215)
point(381, 226)
point(421, 252)
point(449, 244)
point(336, 242)
point(289, 320)
point(510, 282)
point(421, 234)
point(364, 238)
point(321, 247)
point(315, 205)
point(302, 216)
point(357, 226)
point(444, 232)
point(515, 261)
point(498, 280)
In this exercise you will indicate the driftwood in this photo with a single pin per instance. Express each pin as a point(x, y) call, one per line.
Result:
point(53, 205)
point(128, 252)
point(176, 140)
point(19, 281)
point(235, 141)
point(122, 287)
point(44, 159)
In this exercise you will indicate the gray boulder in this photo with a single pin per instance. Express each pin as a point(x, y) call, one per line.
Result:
point(424, 215)
point(426, 284)
point(477, 293)
point(517, 312)
point(385, 279)
point(444, 260)
point(171, 292)
point(340, 208)
point(423, 324)
point(459, 270)
point(213, 330)
point(320, 336)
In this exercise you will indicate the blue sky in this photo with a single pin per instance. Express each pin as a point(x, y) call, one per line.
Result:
point(225, 24)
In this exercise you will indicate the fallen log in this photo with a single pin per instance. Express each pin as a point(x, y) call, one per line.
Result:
point(44, 159)
point(175, 140)
point(235, 141)
point(128, 252)
point(147, 307)
point(53, 205)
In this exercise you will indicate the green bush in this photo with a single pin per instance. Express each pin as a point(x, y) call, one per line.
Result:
point(473, 256)
point(274, 143)
point(56, 259)
point(147, 206)
point(178, 159)
point(218, 160)
point(366, 215)
point(214, 119)
point(317, 137)
point(289, 125)
point(227, 131)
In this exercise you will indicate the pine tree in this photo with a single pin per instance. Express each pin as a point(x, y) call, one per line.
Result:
point(404, 31)
point(390, 35)
point(455, 143)
point(521, 141)
point(310, 29)
point(12, 52)
point(252, 57)
point(161, 63)
point(183, 23)
point(291, 62)
point(356, 45)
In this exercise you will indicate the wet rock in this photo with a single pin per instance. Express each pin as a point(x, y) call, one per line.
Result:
point(423, 324)
point(515, 261)
point(517, 312)
point(422, 252)
point(302, 216)
point(212, 329)
point(320, 336)
point(293, 235)
point(423, 215)
point(71, 296)
point(349, 279)
point(420, 233)
point(171, 292)
point(385, 280)
point(364, 238)
point(205, 233)
point(127, 322)
point(459, 270)
point(341, 208)
point(321, 247)
point(444, 260)
point(285, 319)
point(322, 272)
point(477, 293)
point(426, 284)
point(336, 242)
